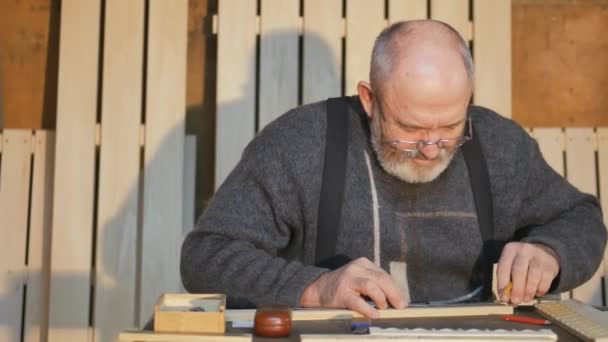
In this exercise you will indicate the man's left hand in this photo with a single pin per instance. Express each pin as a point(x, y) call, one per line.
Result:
point(530, 267)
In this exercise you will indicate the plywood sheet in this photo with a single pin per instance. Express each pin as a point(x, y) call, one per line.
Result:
point(560, 74)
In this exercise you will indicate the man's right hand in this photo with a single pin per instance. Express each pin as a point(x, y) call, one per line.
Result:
point(346, 286)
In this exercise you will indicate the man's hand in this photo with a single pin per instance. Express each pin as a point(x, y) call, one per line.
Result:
point(344, 288)
point(530, 267)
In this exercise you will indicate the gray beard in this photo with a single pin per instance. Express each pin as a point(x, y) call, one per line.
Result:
point(398, 164)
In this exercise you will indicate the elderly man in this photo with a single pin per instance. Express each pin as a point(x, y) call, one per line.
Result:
point(408, 196)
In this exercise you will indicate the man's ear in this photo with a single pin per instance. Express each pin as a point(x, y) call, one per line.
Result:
point(367, 97)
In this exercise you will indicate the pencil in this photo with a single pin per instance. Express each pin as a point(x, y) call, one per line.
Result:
point(528, 320)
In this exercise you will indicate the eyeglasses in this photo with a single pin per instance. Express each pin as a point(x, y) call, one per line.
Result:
point(413, 148)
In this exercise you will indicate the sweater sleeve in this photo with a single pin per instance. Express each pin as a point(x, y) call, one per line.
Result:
point(248, 243)
point(554, 213)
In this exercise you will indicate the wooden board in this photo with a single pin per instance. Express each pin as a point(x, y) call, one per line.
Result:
point(455, 13)
point(581, 171)
point(14, 200)
point(29, 40)
point(492, 51)
point(236, 53)
point(74, 171)
point(39, 245)
point(148, 336)
point(560, 74)
point(417, 311)
point(279, 32)
point(164, 151)
point(189, 183)
point(602, 139)
point(322, 55)
point(119, 165)
point(399, 10)
point(360, 39)
point(551, 144)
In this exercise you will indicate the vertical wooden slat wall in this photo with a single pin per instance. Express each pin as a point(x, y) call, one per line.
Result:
point(455, 13)
point(39, 245)
point(117, 201)
point(279, 32)
point(14, 193)
point(236, 70)
point(74, 171)
point(322, 44)
point(164, 151)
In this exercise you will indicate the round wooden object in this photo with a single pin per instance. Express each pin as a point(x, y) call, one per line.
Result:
point(272, 321)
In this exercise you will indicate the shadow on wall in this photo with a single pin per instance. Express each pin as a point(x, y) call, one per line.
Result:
point(117, 259)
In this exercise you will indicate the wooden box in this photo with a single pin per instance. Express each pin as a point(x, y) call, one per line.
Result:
point(190, 313)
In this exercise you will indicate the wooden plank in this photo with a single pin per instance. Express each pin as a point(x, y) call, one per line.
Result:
point(360, 39)
point(279, 60)
point(581, 171)
point(551, 144)
point(39, 250)
point(14, 200)
point(399, 10)
point(119, 169)
point(413, 311)
point(164, 151)
point(552, 36)
point(148, 336)
point(74, 171)
point(455, 13)
point(492, 51)
point(236, 46)
point(189, 183)
point(322, 55)
point(602, 139)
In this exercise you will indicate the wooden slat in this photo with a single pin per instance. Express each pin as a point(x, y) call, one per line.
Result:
point(119, 169)
point(322, 55)
point(492, 51)
point(550, 142)
point(74, 171)
point(14, 198)
point(235, 123)
point(360, 39)
point(189, 183)
point(581, 171)
point(602, 142)
point(399, 10)
point(278, 58)
point(39, 251)
point(453, 12)
point(164, 151)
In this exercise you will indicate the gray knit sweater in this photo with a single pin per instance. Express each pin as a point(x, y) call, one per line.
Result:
point(256, 240)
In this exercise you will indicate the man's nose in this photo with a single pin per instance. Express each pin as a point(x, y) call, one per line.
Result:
point(431, 151)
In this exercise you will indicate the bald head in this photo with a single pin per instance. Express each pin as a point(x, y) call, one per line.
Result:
point(421, 53)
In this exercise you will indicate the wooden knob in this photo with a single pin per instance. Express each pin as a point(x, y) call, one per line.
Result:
point(272, 321)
